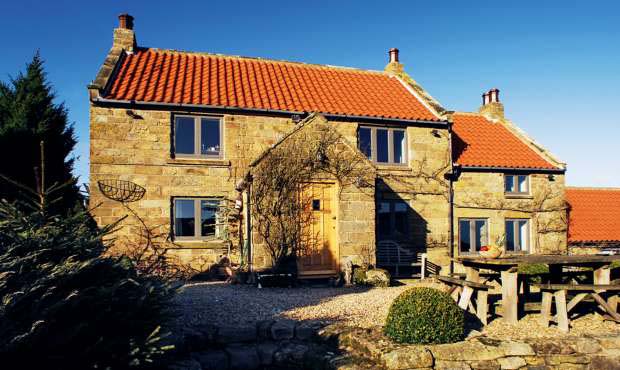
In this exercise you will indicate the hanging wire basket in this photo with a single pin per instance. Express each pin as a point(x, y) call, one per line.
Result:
point(121, 190)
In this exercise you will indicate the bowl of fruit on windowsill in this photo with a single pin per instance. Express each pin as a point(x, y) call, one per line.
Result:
point(490, 251)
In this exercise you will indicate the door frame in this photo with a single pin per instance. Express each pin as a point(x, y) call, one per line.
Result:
point(336, 248)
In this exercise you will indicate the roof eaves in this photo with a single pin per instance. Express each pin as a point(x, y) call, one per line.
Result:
point(510, 169)
point(224, 108)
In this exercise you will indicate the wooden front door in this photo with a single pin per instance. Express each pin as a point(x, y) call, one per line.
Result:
point(319, 256)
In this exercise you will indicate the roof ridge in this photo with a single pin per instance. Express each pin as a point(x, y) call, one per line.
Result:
point(262, 59)
point(468, 113)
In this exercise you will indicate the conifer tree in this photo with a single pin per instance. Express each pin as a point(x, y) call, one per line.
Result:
point(28, 116)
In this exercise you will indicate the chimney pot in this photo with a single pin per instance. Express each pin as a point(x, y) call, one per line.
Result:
point(125, 21)
point(393, 55)
point(491, 106)
point(494, 95)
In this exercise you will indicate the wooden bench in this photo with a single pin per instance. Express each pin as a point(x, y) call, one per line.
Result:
point(463, 290)
point(392, 254)
point(558, 292)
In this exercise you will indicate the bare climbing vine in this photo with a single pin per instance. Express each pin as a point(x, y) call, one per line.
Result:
point(282, 177)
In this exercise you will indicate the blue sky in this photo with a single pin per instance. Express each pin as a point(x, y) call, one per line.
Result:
point(555, 62)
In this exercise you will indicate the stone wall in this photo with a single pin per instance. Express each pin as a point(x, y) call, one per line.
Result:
point(271, 344)
point(601, 352)
point(355, 202)
point(481, 195)
point(421, 185)
point(137, 148)
point(287, 344)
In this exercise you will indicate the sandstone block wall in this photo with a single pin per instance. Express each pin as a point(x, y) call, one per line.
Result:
point(481, 195)
point(420, 184)
point(137, 148)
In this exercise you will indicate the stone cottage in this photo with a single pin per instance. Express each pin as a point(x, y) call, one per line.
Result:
point(189, 127)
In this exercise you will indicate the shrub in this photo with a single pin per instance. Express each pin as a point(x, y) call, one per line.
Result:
point(359, 275)
point(531, 270)
point(63, 305)
point(425, 316)
point(378, 278)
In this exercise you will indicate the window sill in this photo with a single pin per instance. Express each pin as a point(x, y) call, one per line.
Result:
point(392, 167)
point(198, 243)
point(210, 162)
point(518, 196)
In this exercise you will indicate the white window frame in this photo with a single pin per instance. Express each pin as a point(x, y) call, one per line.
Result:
point(515, 231)
point(472, 237)
point(373, 144)
point(197, 220)
point(197, 137)
point(515, 181)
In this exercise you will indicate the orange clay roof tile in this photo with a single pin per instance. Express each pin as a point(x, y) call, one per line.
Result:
point(594, 215)
point(478, 142)
point(152, 75)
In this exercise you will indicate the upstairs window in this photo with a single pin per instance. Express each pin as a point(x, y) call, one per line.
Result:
point(517, 184)
point(196, 218)
point(517, 235)
point(383, 145)
point(473, 234)
point(196, 136)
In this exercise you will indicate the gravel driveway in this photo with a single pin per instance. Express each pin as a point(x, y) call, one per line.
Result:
point(225, 304)
point(240, 305)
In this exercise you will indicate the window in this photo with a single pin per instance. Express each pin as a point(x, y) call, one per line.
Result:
point(517, 235)
point(392, 219)
point(383, 145)
point(517, 184)
point(196, 136)
point(473, 234)
point(196, 218)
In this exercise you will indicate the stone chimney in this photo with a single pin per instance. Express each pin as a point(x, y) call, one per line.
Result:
point(394, 66)
point(124, 36)
point(491, 106)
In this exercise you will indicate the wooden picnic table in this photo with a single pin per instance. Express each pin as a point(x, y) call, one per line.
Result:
point(508, 269)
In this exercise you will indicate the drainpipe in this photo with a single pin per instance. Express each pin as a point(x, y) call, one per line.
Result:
point(451, 202)
point(248, 227)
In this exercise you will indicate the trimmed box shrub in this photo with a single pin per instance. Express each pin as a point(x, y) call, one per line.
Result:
point(425, 316)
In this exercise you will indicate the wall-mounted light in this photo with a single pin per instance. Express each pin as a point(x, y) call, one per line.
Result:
point(435, 133)
point(133, 114)
point(551, 177)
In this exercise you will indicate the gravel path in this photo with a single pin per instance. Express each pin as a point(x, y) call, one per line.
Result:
point(221, 303)
point(238, 305)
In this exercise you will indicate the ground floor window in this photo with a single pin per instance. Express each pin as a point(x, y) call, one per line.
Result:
point(195, 218)
point(473, 234)
point(392, 219)
point(517, 235)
